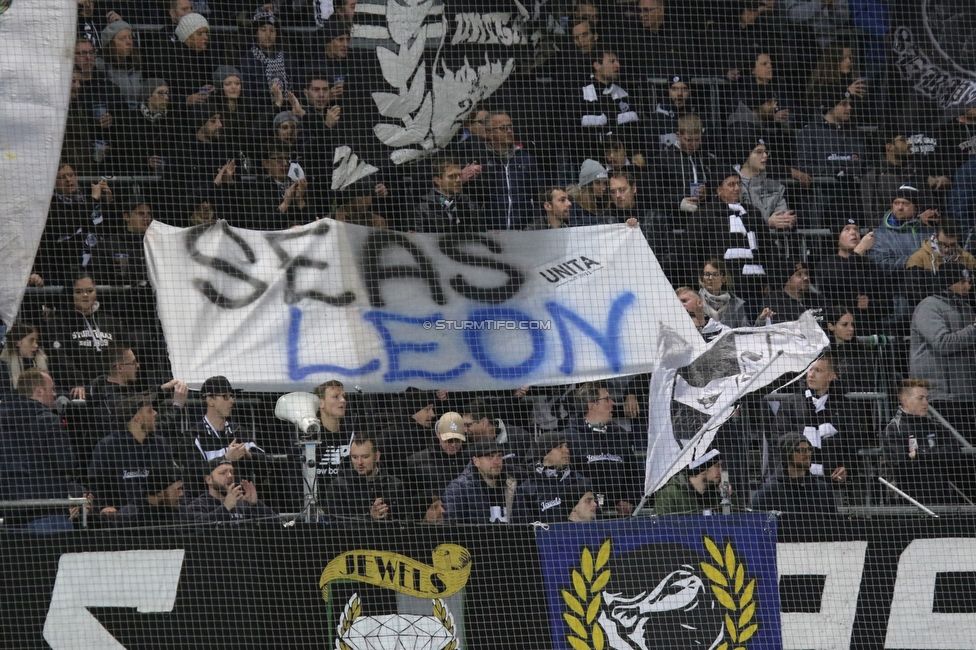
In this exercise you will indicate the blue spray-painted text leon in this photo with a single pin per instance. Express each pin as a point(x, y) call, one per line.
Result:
point(484, 310)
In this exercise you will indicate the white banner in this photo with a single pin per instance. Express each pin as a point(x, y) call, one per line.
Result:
point(36, 55)
point(383, 310)
point(711, 385)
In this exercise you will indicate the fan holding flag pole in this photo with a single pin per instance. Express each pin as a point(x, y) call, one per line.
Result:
point(708, 386)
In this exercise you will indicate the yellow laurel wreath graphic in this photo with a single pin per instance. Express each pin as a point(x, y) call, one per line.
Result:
point(350, 613)
point(584, 604)
point(733, 593)
point(444, 616)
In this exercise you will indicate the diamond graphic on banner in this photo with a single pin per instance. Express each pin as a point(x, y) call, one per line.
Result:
point(395, 631)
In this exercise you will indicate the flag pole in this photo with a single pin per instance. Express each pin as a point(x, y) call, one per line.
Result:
point(711, 421)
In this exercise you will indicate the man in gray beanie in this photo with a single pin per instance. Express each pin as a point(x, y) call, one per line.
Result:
point(112, 30)
point(222, 73)
point(590, 196)
point(795, 490)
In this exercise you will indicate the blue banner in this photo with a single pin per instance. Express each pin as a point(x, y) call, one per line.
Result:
point(672, 582)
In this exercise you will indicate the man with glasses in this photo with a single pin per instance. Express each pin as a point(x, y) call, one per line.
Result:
point(757, 190)
point(120, 381)
point(214, 437)
point(509, 177)
point(940, 248)
point(605, 451)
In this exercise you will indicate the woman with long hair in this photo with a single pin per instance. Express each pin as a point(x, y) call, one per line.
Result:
point(238, 115)
point(853, 362)
point(836, 67)
point(837, 74)
point(21, 351)
point(121, 62)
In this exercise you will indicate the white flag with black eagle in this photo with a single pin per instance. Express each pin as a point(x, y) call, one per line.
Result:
point(685, 398)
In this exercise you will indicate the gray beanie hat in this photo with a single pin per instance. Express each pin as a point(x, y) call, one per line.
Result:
point(112, 29)
point(590, 171)
point(189, 24)
point(149, 85)
point(224, 71)
point(284, 116)
point(788, 443)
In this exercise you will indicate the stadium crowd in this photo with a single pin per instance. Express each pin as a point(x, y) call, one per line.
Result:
point(189, 113)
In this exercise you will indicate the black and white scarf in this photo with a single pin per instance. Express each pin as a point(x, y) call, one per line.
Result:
point(274, 67)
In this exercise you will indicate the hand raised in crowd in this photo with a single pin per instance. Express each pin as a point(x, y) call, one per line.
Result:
point(939, 183)
point(859, 88)
point(839, 475)
point(200, 96)
point(101, 191)
point(379, 510)
point(78, 392)
point(296, 106)
point(34, 280)
point(234, 494)
point(472, 170)
point(236, 451)
point(180, 391)
point(156, 162)
point(335, 92)
point(226, 173)
point(442, 394)
point(105, 121)
point(782, 219)
point(521, 392)
point(782, 115)
point(112, 17)
point(297, 189)
point(631, 406)
point(332, 116)
point(930, 217)
point(294, 194)
point(380, 191)
point(866, 244)
point(766, 313)
point(250, 492)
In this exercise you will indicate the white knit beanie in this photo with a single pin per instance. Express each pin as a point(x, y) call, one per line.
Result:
point(189, 24)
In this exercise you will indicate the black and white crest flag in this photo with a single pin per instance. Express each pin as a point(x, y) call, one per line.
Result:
point(683, 400)
point(933, 47)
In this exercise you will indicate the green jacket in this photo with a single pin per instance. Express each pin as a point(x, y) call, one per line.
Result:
point(678, 497)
